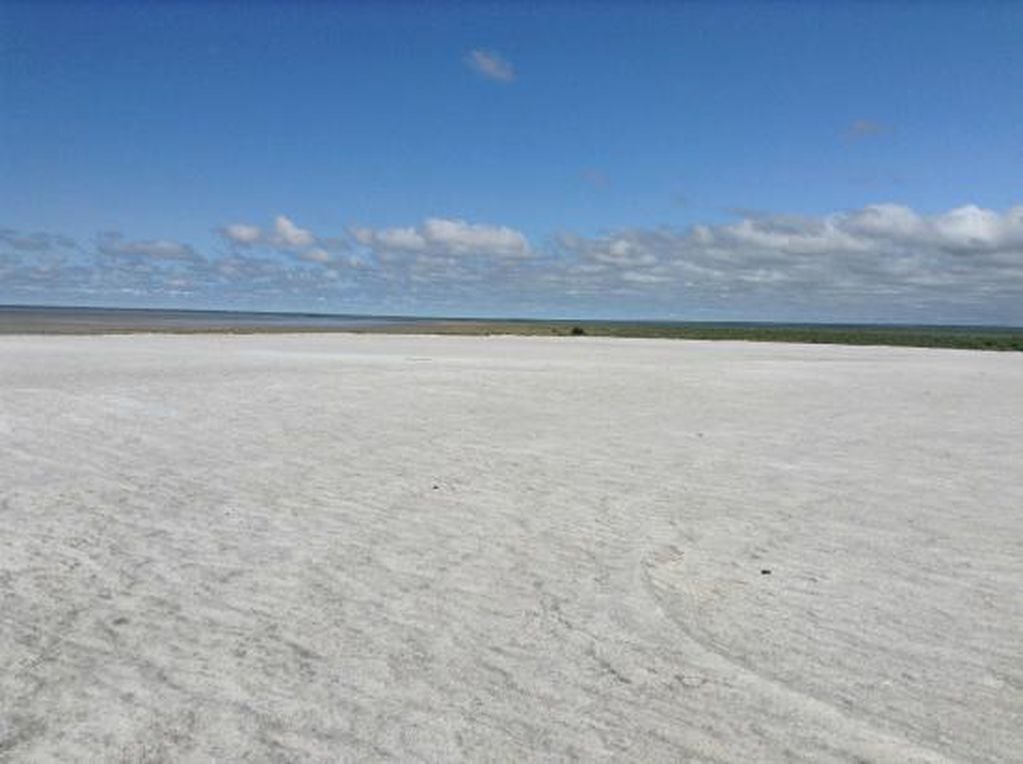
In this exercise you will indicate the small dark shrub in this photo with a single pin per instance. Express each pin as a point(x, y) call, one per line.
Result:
point(578, 331)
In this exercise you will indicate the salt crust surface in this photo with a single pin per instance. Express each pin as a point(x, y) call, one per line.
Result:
point(344, 547)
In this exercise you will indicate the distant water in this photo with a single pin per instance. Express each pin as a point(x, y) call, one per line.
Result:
point(36, 319)
point(16, 319)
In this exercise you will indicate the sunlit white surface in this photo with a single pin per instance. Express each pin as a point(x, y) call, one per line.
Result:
point(366, 547)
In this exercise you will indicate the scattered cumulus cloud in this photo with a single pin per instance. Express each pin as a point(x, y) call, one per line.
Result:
point(242, 234)
point(316, 255)
point(490, 65)
point(288, 235)
point(115, 245)
point(879, 251)
point(33, 242)
point(878, 262)
point(446, 238)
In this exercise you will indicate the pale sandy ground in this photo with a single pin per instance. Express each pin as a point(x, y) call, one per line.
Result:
point(369, 547)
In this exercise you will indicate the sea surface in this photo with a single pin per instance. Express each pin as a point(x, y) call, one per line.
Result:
point(18, 319)
point(37, 319)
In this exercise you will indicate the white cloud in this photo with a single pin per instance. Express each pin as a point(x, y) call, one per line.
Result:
point(782, 235)
point(882, 261)
point(885, 221)
point(966, 230)
point(34, 242)
point(439, 237)
point(315, 255)
point(490, 65)
point(115, 245)
point(288, 235)
point(391, 239)
point(242, 234)
point(880, 249)
point(640, 277)
point(620, 252)
point(972, 229)
point(461, 238)
point(286, 238)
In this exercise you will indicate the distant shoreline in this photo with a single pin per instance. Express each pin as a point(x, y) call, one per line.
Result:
point(46, 320)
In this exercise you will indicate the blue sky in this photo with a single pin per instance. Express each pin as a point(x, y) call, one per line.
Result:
point(773, 161)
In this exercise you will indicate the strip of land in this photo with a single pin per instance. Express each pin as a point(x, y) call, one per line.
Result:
point(967, 338)
point(48, 320)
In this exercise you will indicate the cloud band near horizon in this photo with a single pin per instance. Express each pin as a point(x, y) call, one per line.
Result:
point(883, 262)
